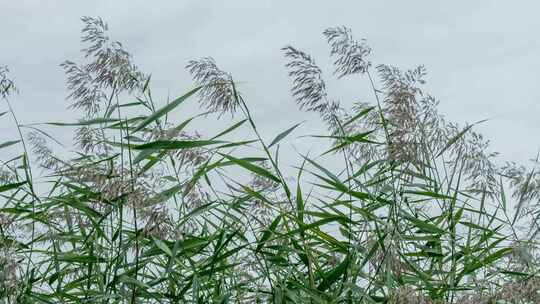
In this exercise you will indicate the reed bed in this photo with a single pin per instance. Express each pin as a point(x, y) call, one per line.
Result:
point(146, 211)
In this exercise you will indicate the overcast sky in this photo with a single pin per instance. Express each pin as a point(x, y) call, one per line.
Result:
point(482, 56)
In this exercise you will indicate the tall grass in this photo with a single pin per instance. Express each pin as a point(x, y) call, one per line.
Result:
point(145, 211)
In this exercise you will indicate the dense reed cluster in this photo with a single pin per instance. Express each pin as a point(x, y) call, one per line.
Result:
point(146, 210)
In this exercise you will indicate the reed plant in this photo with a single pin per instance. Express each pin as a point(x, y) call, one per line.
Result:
point(144, 210)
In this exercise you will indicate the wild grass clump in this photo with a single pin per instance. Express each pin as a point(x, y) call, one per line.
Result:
point(147, 211)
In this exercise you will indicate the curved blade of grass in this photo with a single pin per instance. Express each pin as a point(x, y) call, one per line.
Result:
point(96, 121)
point(175, 144)
point(9, 143)
point(282, 135)
point(164, 110)
point(7, 187)
point(230, 129)
point(253, 168)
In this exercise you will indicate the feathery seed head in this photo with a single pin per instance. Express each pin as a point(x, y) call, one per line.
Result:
point(7, 86)
point(309, 88)
point(217, 92)
point(351, 54)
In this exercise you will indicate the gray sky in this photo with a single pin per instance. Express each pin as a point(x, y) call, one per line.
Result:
point(482, 56)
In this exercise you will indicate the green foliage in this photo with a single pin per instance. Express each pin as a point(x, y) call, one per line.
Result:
point(145, 212)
